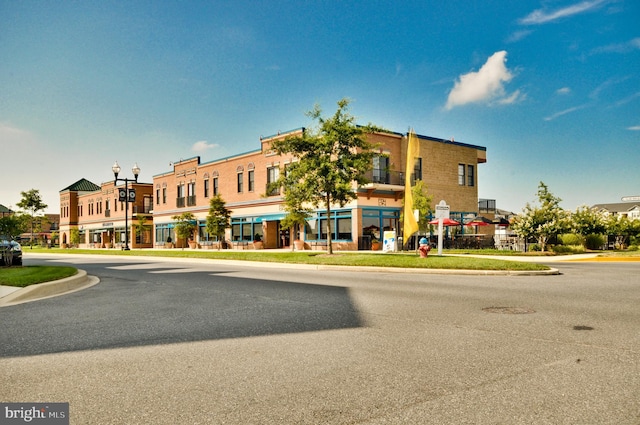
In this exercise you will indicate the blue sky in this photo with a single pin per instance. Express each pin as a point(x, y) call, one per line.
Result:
point(550, 88)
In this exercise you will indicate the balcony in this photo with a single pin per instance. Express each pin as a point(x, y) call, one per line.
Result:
point(180, 202)
point(191, 201)
point(378, 176)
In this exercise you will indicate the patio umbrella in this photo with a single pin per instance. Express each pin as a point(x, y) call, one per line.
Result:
point(445, 222)
point(501, 222)
point(479, 221)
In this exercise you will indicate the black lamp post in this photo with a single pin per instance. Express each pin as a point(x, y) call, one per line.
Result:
point(126, 195)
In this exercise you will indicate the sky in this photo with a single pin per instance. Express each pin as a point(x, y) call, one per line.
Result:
point(550, 88)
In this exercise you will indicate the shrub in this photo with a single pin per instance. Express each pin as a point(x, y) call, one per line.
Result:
point(568, 249)
point(572, 239)
point(634, 248)
point(594, 241)
point(534, 247)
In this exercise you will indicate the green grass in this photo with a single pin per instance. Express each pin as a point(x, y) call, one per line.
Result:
point(29, 275)
point(403, 260)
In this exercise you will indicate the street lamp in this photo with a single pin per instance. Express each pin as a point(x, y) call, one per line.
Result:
point(126, 195)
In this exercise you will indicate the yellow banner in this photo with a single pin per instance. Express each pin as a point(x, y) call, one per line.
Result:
point(410, 225)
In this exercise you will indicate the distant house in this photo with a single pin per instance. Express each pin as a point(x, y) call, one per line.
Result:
point(4, 211)
point(629, 209)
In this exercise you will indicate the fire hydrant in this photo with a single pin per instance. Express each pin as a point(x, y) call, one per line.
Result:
point(424, 247)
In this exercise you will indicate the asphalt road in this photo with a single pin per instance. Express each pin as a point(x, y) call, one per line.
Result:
point(201, 342)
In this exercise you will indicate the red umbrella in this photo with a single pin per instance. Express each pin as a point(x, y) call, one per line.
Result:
point(479, 221)
point(445, 222)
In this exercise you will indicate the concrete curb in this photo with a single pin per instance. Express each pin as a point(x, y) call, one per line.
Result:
point(50, 289)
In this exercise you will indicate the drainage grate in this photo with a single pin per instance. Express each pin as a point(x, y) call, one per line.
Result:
point(509, 310)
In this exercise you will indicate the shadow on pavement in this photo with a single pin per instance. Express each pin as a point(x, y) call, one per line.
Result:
point(165, 309)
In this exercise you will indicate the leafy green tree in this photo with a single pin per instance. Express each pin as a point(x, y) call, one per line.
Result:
point(422, 203)
point(32, 202)
point(297, 214)
point(185, 225)
point(143, 229)
point(74, 237)
point(13, 225)
point(541, 221)
point(218, 218)
point(329, 159)
point(622, 228)
point(587, 221)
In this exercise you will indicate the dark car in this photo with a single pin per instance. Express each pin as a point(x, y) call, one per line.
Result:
point(10, 252)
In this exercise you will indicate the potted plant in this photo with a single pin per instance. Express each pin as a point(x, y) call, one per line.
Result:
point(257, 241)
point(375, 245)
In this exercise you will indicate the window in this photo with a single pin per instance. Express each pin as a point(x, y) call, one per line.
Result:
point(252, 182)
point(240, 180)
point(215, 186)
point(273, 174)
point(417, 171)
point(471, 178)
point(380, 169)
point(191, 194)
point(157, 196)
point(461, 168)
point(180, 201)
point(206, 188)
point(164, 195)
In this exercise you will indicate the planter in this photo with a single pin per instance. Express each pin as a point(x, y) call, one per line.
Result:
point(193, 244)
point(375, 246)
point(298, 245)
point(258, 245)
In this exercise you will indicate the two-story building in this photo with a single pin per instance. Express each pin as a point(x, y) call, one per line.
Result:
point(100, 216)
point(448, 168)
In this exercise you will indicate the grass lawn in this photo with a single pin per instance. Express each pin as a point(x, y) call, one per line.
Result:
point(29, 275)
point(403, 260)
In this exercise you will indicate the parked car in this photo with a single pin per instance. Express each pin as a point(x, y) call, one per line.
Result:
point(10, 252)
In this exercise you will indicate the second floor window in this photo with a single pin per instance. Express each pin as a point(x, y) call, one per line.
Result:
point(206, 188)
point(273, 174)
point(471, 178)
point(215, 186)
point(240, 180)
point(417, 170)
point(251, 177)
point(461, 175)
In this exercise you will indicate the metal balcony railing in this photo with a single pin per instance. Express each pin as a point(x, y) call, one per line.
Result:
point(380, 176)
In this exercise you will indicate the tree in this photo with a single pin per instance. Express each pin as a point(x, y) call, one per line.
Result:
point(185, 225)
point(13, 225)
point(422, 203)
point(218, 218)
point(297, 214)
point(142, 229)
point(32, 202)
point(541, 221)
point(330, 158)
point(587, 221)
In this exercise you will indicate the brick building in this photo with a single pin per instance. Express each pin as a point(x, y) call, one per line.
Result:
point(98, 215)
point(448, 168)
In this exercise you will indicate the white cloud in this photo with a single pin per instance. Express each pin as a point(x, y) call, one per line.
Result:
point(542, 16)
point(485, 85)
point(203, 145)
point(565, 112)
point(518, 35)
point(563, 90)
point(634, 128)
point(627, 47)
point(515, 97)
